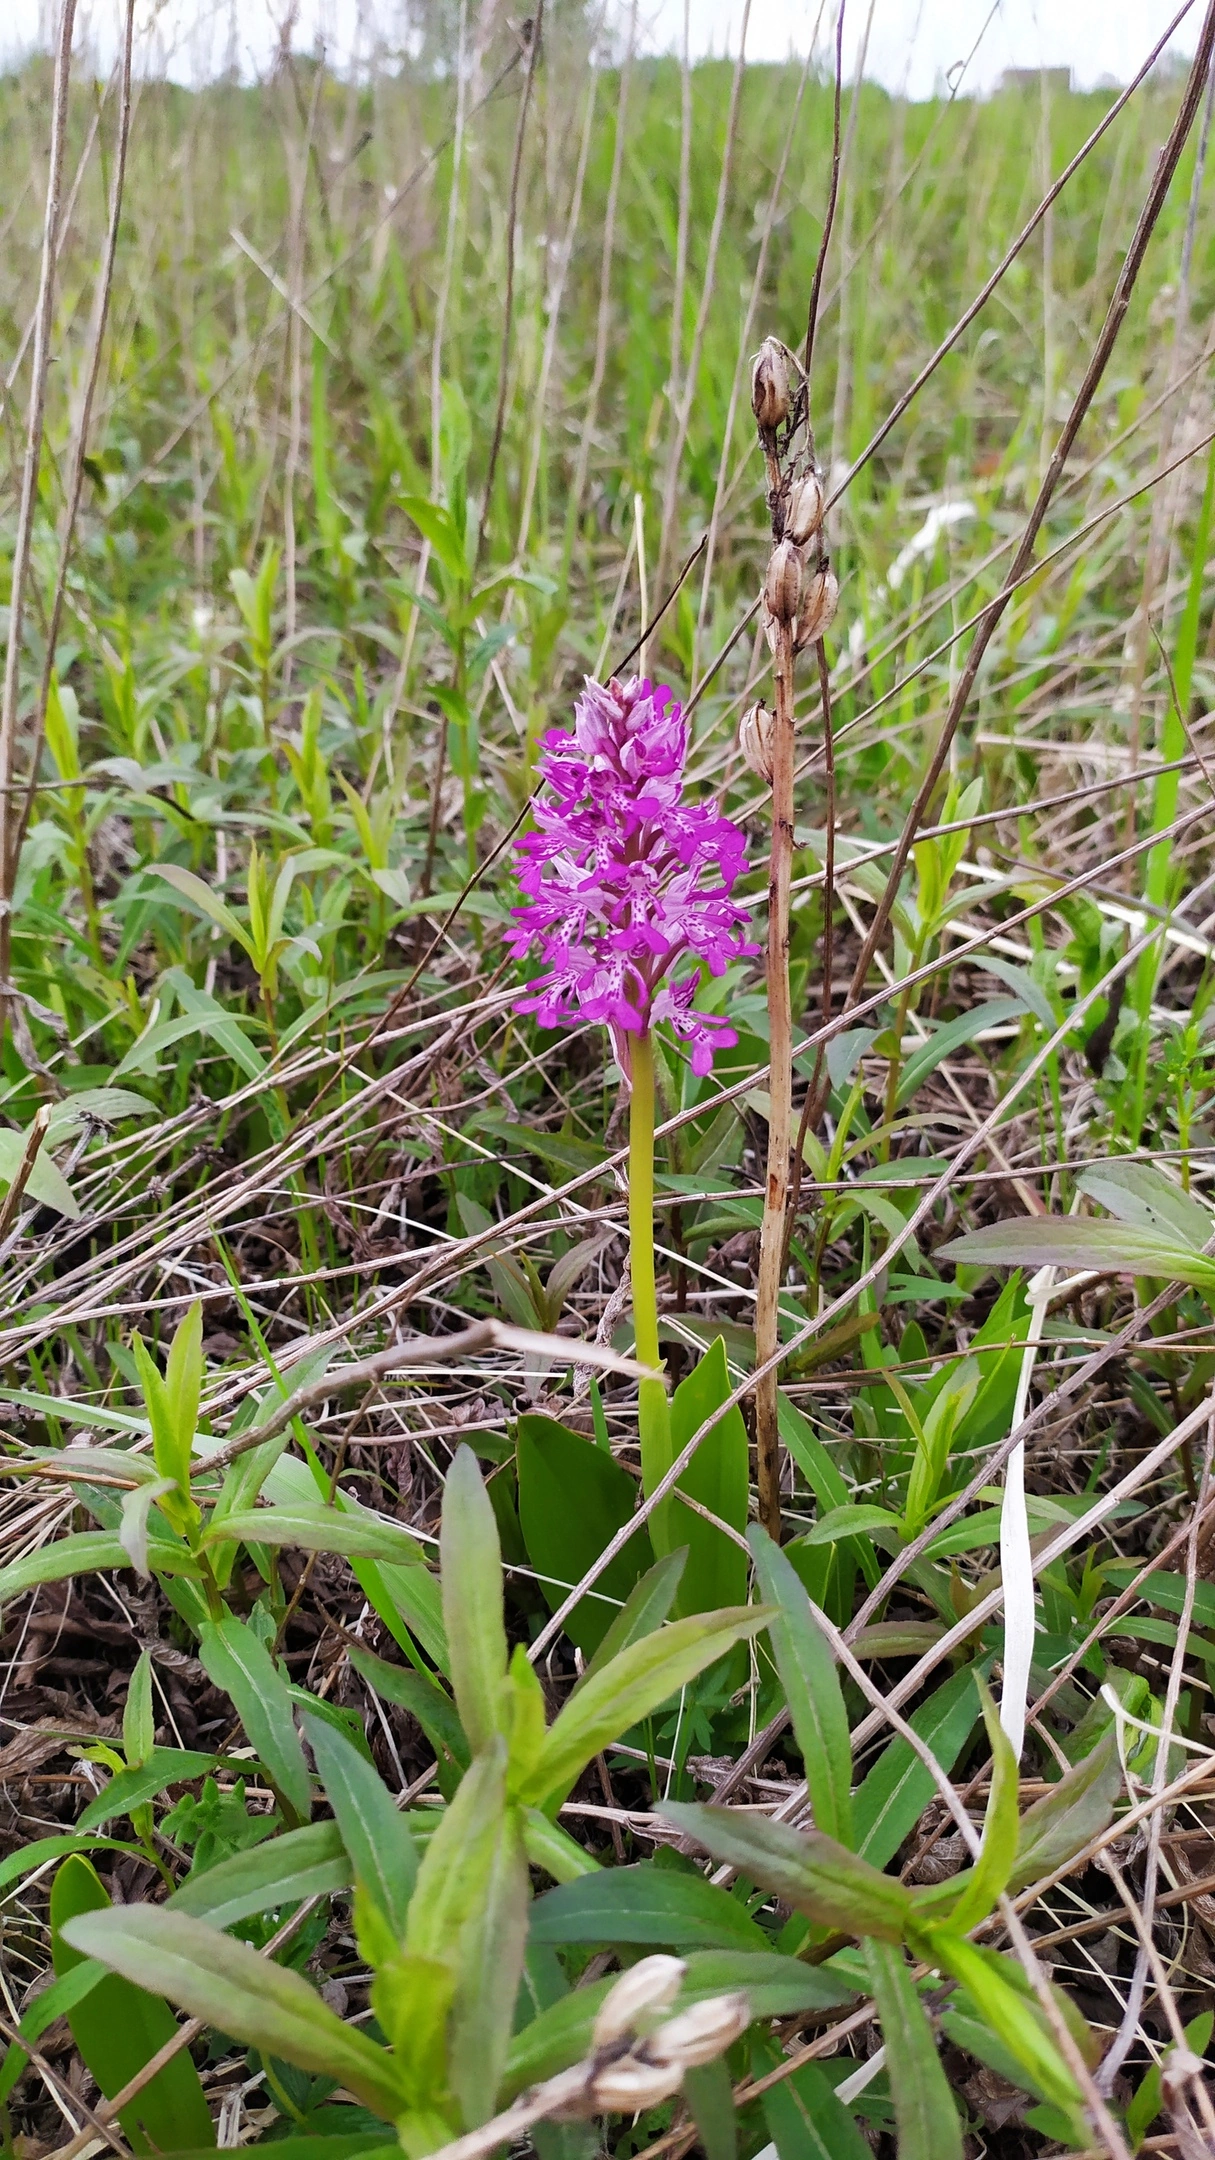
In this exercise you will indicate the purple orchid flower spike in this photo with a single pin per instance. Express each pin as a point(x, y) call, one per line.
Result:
point(627, 888)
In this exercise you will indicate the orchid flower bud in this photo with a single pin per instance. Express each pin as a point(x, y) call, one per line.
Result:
point(783, 584)
point(755, 740)
point(822, 598)
point(649, 1985)
point(701, 2034)
point(805, 512)
point(770, 386)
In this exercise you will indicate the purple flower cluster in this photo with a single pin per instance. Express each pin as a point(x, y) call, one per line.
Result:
point(623, 880)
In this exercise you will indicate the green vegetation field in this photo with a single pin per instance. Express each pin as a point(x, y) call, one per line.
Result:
point(348, 425)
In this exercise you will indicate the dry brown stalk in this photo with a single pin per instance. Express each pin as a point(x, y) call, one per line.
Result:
point(23, 543)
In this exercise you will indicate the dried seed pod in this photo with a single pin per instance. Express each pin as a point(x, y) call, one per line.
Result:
point(822, 598)
point(649, 1985)
point(624, 2088)
point(805, 513)
point(700, 2034)
point(783, 584)
point(770, 386)
point(755, 740)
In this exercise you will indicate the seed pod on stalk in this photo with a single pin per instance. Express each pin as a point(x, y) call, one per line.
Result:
point(770, 387)
point(805, 513)
point(818, 612)
point(755, 740)
point(783, 584)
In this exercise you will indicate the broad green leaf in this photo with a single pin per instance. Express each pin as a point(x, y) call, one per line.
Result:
point(281, 1871)
point(924, 2109)
point(118, 2027)
point(710, 2098)
point(320, 1529)
point(1164, 1589)
point(891, 1798)
point(645, 1609)
point(717, 1476)
point(805, 2120)
point(1140, 1194)
point(953, 1035)
point(438, 526)
point(183, 1386)
point(812, 1873)
point(228, 1985)
point(774, 1986)
point(238, 1661)
point(1047, 1241)
point(131, 1788)
point(645, 1904)
point(45, 1183)
point(204, 902)
point(458, 1860)
point(471, 1575)
point(812, 1689)
point(1078, 1808)
point(374, 1831)
point(573, 1498)
point(631, 1687)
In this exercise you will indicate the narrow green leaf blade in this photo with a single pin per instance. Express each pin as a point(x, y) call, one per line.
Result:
point(310, 1862)
point(374, 1831)
point(812, 1689)
point(811, 1872)
point(471, 1572)
point(238, 1662)
point(645, 1904)
point(924, 2110)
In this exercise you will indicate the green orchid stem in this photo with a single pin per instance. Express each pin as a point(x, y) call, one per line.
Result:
point(654, 1421)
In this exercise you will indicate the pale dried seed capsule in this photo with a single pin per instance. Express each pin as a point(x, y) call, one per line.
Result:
point(755, 740)
point(770, 386)
point(649, 1985)
point(700, 2035)
point(822, 599)
point(805, 512)
point(783, 584)
point(624, 2088)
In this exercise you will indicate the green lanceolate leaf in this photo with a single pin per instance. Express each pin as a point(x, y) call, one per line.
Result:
point(811, 1872)
point(228, 1985)
point(893, 1795)
point(924, 2109)
point(355, 1534)
point(631, 1687)
point(457, 1862)
point(374, 1832)
point(430, 1704)
point(88, 1552)
point(56, 2001)
point(812, 1689)
point(805, 2120)
point(645, 1904)
point(138, 1723)
point(311, 1862)
point(238, 1661)
point(551, 1848)
point(573, 1498)
point(717, 1476)
point(129, 1789)
point(1078, 1808)
point(118, 2026)
point(644, 1609)
point(1001, 1828)
point(1014, 2019)
point(491, 1963)
point(1043, 1241)
point(471, 1570)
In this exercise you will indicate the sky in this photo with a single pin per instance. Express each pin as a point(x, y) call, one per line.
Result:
point(911, 46)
